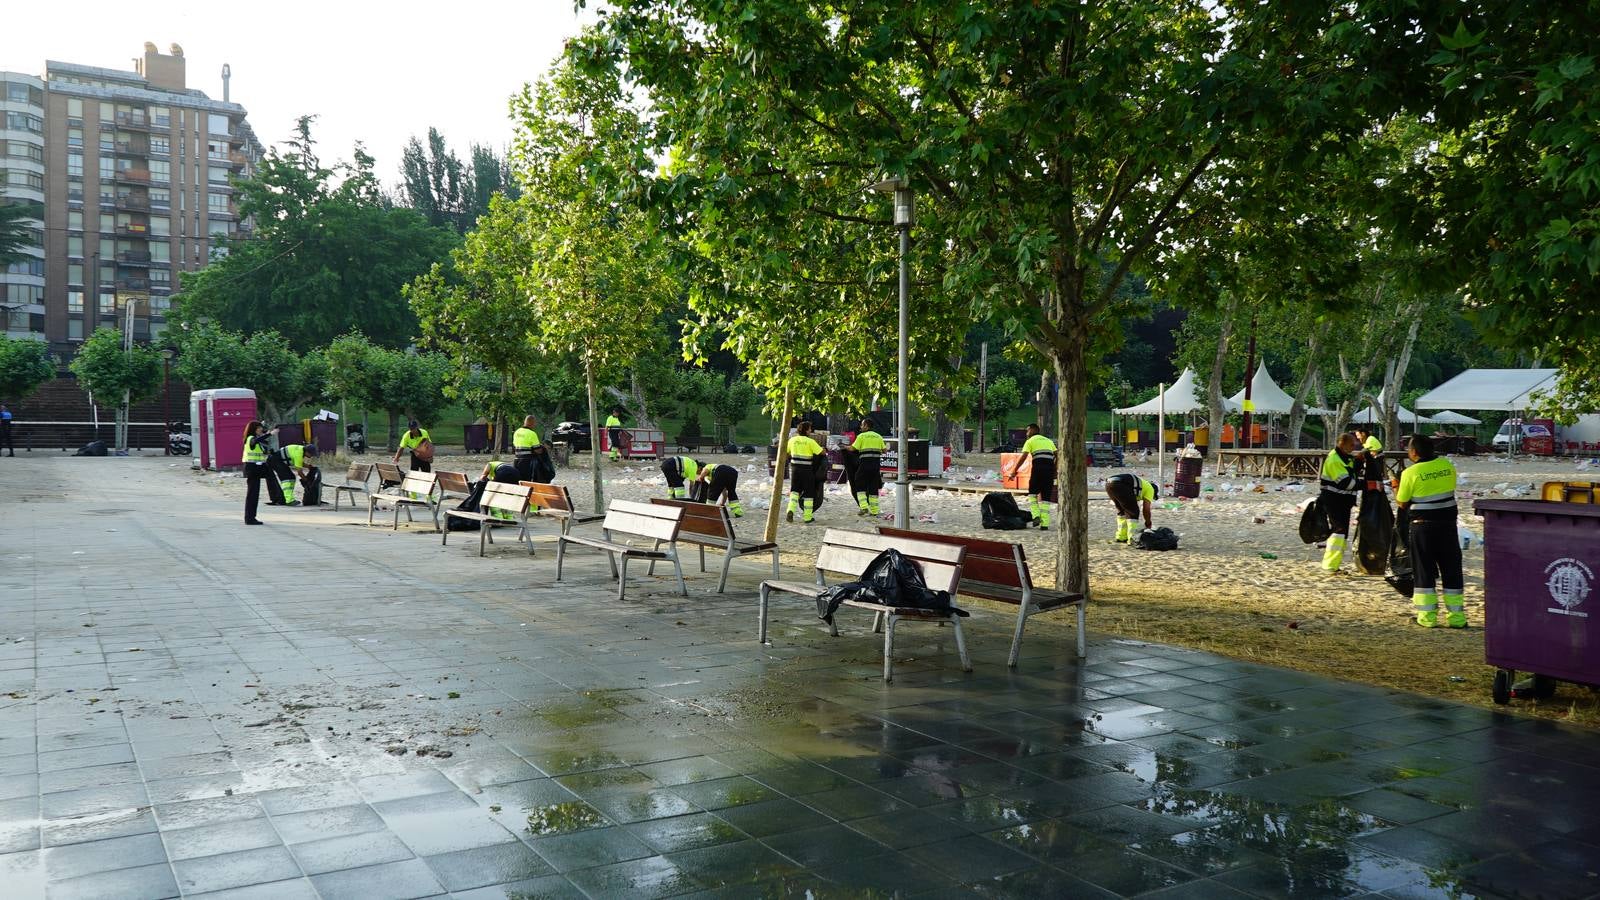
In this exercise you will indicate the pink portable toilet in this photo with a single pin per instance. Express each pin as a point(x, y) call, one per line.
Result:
point(219, 416)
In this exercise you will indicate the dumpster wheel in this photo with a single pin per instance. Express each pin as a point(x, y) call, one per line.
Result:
point(1501, 690)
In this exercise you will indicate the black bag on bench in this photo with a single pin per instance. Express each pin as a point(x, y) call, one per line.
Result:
point(890, 580)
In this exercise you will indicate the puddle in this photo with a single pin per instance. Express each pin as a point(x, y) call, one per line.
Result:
point(563, 818)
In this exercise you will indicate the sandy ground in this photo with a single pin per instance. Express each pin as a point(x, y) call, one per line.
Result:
point(1241, 584)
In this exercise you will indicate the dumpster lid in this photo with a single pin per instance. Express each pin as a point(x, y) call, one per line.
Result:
point(1539, 507)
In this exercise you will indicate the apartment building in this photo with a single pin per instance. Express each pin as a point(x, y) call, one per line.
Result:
point(133, 175)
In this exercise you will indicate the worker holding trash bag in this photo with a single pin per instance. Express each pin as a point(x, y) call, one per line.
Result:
point(679, 470)
point(868, 471)
point(804, 481)
point(1132, 497)
point(719, 483)
point(1427, 496)
point(1340, 488)
point(1041, 452)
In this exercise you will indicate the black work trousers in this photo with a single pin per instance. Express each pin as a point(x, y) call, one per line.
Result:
point(1337, 508)
point(254, 473)
point(1436, 556)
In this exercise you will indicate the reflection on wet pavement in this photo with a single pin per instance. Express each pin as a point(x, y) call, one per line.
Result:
point(427, 722)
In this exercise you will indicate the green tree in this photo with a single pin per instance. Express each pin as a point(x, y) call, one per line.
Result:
point(121, 376)
point(436, 183)
point(398, 382)
point(1056, 143)
point(1000, 399)
point(327, 256)
point(24, 365)
point(213, 357)
point(598, 276)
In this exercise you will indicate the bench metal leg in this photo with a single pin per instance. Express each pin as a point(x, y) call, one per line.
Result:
point(372, 505)
point(1023, 611)
point(611, 558)
point(727, 560)
point(444, 538)
point(485, 538)
point(653, 548)
point(682, 588)
point(961, 644)
point(702, 559)
point(888, 648)
point(877, 623)
point(833, 624)
point(622, 580)
point(761, 619)
point(397, 508)
point(561, 554)
point(774, 564)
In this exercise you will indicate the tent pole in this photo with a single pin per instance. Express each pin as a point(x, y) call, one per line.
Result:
point(1161, 430)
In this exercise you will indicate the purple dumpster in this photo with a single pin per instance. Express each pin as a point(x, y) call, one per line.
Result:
point(1541, 609)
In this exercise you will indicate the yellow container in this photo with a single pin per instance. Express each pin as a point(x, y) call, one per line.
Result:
point(1171, 435)
point(1570, 491)
point(1133, 435)
point(1202, 437)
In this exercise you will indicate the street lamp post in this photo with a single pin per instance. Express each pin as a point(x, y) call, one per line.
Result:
point(166, 400)
point(903, 217)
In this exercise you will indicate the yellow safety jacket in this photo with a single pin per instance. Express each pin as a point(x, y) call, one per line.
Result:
point(296, 455)
point(613, 422)
point(253, 451)
point(1372, 444)
point(868, 443)
point(1336, 475)
point(1040, 448)
point(802, 450)
point(408, 442)
point(524, 439)
point(685, 466)
point(1428, 490)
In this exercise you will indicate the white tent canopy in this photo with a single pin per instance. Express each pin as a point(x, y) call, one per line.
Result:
point(1508, 390)
point(1181, 397)
point(1269, 398)
point(1373, 414)
point(1454, 418)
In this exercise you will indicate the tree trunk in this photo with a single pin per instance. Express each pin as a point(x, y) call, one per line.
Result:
point(780, 466)
point(633, 402)
point(1394, 379)
point(1297, 412)
point(1042, 404)
point(394, 431)
point(594, 432)
point(1072, 479)
point(1214, 412)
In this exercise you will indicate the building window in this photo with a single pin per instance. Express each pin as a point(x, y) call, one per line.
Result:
point(160, 146)
point(160, 171)
point(107, 143)
point(17, 121)
point(74, 329)
point(108, 248)
point(75, 220)
point(75, 107)
point(75, 246)
point(75, 302)
point(19, 178)
point(161, 116)
point(216, 150)
point(75, 164)
point(160, 251)
point(108, 303)
point(160, 198)
point(74, 273)
point(218, 124)
point(217, 202)
point(216, 175)
point(160, 225)
point(108, 167)
point(160, 276)
point(22, 150)
point(23, 294)
point(107, 113)
point(108, 222)
point(31, 265)
point(74, 137)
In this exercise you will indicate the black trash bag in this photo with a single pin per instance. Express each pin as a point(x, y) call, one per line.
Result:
point(819, 480)
point(506, 473)
point(543, 468)
point(93, 448)
point(470, 504)
point(1375, 533)
point(1157, 539)
point(1314, 523)
point(311, 488)
point(747, 448)
point(1000, 511)
point(891, 579)
point(1403, 577)
point(852, 462)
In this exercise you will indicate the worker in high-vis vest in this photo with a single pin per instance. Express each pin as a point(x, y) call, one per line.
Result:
point(288, 464)
point(255, 468)
point(1041, 451)
point(1340, 486)
point(614, 432)
point(719, 483)
point(1368, 449)
point(803, 453)
point(1129, 492)
point(869, 447)
point(524, 443)
point(1427, 494)
point(679, 470)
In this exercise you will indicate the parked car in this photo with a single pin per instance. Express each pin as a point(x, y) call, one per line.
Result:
point(575, 434)
point(1529, 430)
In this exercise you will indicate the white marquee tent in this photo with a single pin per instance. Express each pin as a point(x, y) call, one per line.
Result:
point(1269, 399)
point(1373, 414)
point(1449, 417)
point(1507, 390)
point(1181, 397)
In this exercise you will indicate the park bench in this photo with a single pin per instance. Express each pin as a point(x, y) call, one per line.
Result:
point(357, 480)
point(452, 485)
point(501, 505)
point(998, 570)
point(850, 553)
point(627, 519)
point(555, 501)
point(416, 489)
point(709, 525)
point(389, 475)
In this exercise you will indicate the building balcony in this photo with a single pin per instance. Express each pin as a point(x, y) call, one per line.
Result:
point(133, 176)
point(125, 285)
point(237, 160)
point(133, 121)
point(133, 231)
point(134, 258)
point(229, 214)
point(133, 201)
point(132, 148)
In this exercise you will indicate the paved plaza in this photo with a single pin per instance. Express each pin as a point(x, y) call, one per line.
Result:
point(319, 709)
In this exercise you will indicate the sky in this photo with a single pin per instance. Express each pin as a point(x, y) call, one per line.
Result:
point(374, 72)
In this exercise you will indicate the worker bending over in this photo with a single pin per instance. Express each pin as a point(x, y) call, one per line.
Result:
point(719, 484)
point(1427, 493)
point(679, 469)
point(1130, 493)
point(1340, 487)
point(803, 453)
point(1042, 478)
point(869, 449)
point(289, 463)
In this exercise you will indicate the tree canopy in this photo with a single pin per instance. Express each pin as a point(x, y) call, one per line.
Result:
point(24, 365)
